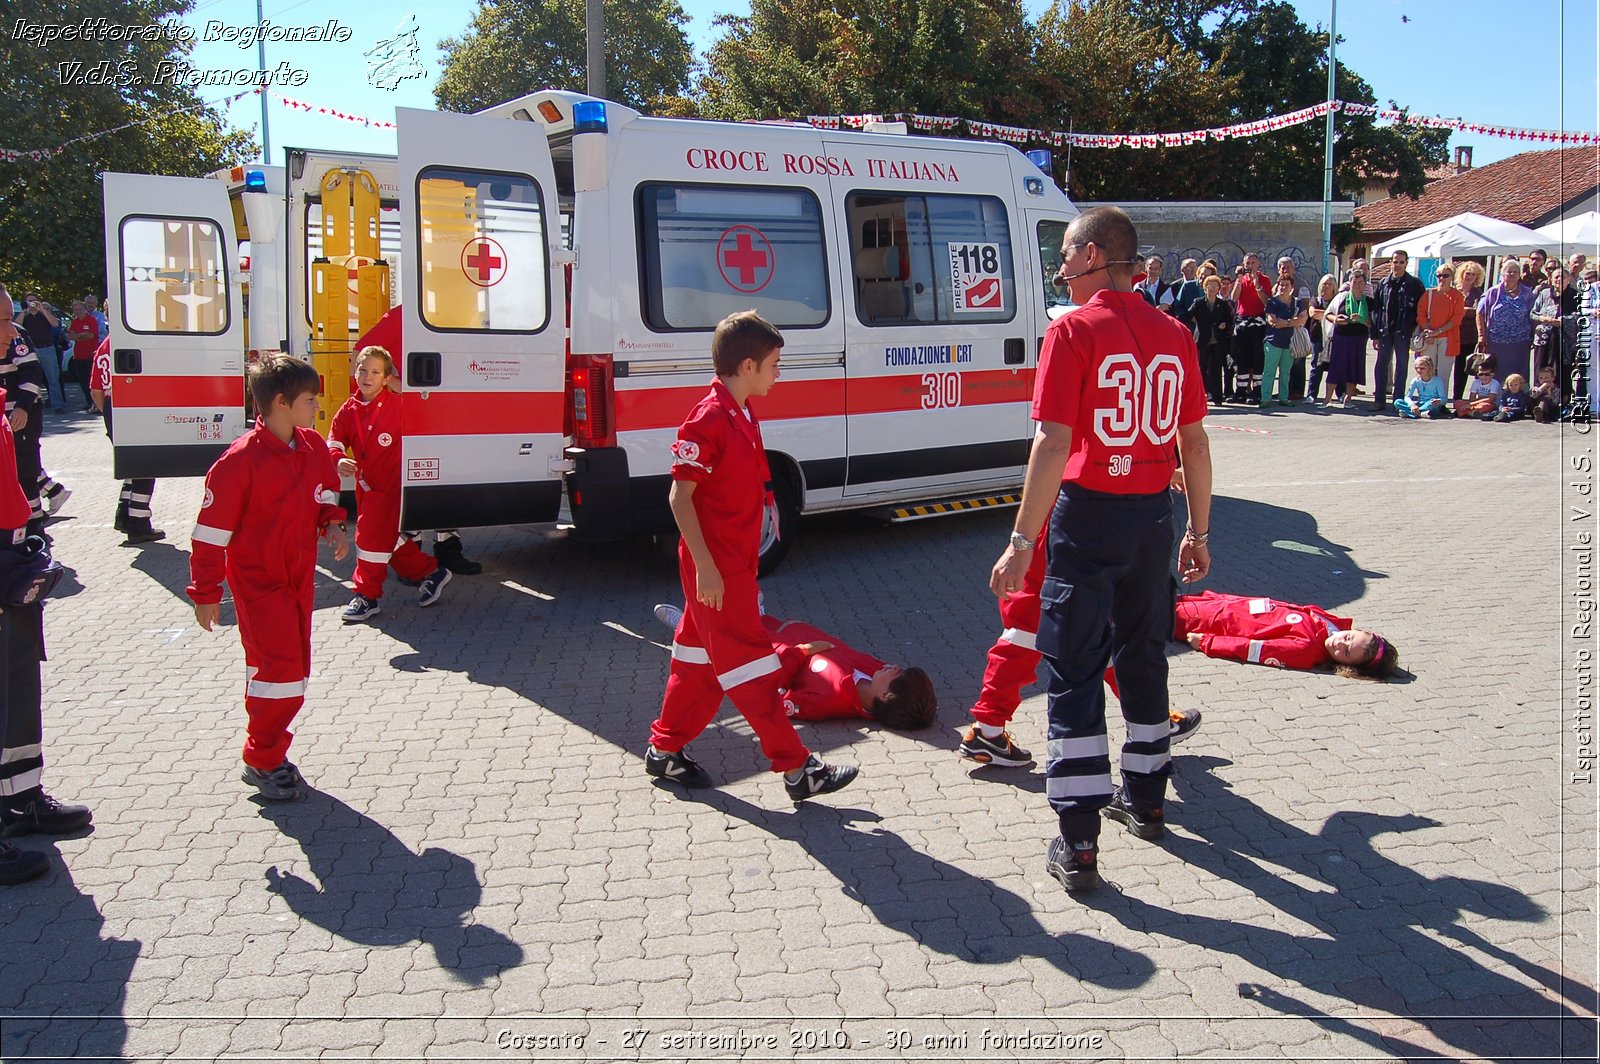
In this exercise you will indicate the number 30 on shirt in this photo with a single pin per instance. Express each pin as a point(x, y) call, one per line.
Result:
point(1145, 402)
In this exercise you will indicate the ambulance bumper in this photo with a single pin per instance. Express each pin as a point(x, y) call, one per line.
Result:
point(608, 504)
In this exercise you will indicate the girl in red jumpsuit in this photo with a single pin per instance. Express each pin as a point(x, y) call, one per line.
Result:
point(365, 439)
point(267, 501)
point(1268, 632)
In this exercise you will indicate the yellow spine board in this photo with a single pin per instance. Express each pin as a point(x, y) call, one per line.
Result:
point(372, 297)
point(330, 337)
point(364, 208)
point(448, 212)
point(337, 187)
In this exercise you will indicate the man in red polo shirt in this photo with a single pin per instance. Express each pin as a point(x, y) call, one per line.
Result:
point(1118, 383)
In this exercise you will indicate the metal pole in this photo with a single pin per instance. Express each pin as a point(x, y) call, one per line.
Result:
point(1327, 152)
point(594, 21)
point(261, 64)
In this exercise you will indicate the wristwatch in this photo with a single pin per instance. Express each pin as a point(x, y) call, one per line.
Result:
point(1019, 542)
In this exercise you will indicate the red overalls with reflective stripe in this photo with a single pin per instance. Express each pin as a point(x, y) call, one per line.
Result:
point(265, 504)
point(369, 433)
point(726, 651)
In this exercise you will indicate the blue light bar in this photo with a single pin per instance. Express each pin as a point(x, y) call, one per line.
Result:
point(255, 181)
point(1040, 157)
point(589, 116)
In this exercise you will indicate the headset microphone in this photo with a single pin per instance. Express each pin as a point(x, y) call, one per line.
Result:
point(1102, 266)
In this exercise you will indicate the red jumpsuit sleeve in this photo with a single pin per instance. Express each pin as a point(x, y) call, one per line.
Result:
point(221, 512)
point(342, 432)
point(330, 512)
point(1287, 653)
point(698, 448)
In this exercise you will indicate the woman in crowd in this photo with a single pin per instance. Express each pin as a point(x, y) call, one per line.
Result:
point(1469, 282)
point(1546, 316)
point(1213, 333)
point(1327, 289)
point(1350, 314)
point(1505, 321)
point(1439, 317)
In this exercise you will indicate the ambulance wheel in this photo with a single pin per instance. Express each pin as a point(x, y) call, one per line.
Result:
point(778, 536)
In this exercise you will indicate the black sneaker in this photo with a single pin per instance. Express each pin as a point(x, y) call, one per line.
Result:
point(975, 746)
point(19, 866)
point(282, 784)
point(818, 777)
point(1184, 722)
point(669, 615)
point(1076, 866)
point(677, 767)
point(447, 552)
point(36, 813)
point(143, 535)
point(360, 609)
point(1146, 824)
point(432, 586)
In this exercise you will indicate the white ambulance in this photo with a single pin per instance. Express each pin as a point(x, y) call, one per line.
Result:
point(561, 262)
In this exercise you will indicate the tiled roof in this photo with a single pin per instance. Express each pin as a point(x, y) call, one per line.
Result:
point(1522, 189)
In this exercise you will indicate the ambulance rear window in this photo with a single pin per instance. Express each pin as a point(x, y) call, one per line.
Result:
point(707, 251)
point(481, 246)
point(930, 259)
point(174, 276)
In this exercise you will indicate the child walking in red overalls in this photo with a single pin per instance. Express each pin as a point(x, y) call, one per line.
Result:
point(720, 491)
point(365, 438)
point(267, 501)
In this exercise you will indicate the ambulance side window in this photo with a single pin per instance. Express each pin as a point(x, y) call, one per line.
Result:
point(481, 242)
point(1051, 236)
point(174, 277)
point(931, 259)
point(707, 251)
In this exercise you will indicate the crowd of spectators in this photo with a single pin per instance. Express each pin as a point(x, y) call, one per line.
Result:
point(1519, 348)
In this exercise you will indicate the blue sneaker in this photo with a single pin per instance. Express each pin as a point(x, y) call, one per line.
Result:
point(432, 586)
point(360, 609)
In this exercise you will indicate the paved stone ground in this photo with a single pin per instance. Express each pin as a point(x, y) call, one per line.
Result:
point(1355, 870)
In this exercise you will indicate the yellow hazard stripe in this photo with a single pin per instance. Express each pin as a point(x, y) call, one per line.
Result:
point(957, 505)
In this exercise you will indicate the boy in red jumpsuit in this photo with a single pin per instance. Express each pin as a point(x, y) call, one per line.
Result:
point(720, 492)
point(824, 679)
point(365, 439)
point(267, 501)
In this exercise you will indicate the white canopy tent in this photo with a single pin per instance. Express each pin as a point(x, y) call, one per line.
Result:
point(1467, 234)
point(1579, 232)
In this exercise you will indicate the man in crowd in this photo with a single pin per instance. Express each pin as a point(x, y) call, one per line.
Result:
point(1394, 319)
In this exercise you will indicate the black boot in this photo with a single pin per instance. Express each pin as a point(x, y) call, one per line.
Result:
point(447, 552)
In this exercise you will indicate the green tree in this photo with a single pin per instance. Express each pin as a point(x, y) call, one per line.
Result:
point(1278, 64)
point(515, 47)
point(790, 58)
point(54, 215)
point(1100, 71)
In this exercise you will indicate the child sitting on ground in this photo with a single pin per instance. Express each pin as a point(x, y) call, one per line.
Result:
point(1513, 401)
point(1546, 398)
point(1425, 396)
point(1483, 394)
point(822, 678)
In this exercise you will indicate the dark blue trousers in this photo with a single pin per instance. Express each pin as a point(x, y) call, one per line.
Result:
point(1108, 595)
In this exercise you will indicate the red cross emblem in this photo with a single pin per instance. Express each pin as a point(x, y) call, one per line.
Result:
point(484, 262)
point(745, 258)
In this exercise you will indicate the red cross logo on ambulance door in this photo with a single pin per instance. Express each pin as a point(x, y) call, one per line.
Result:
point(745, 258)
point(484, 262)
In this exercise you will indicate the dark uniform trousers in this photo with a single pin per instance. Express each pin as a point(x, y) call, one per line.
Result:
point(1108, 595)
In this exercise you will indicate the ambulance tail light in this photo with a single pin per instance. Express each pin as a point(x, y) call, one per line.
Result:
point(590, 407)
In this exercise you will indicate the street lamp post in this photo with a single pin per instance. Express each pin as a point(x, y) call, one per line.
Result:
point(1327, 152)
point(594, 23)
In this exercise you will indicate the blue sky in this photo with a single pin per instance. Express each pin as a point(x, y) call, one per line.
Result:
point(1484, 60)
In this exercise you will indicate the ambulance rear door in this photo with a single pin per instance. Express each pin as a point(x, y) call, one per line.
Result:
point(175, 323)
point(484, 360)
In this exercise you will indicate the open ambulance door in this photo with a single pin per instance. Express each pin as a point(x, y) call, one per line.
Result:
point(175, 322)
point(484, 353)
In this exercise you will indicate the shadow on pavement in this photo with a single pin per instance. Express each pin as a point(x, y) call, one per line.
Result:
point(1385, 938)
point(374, 891)
point(930, 901)
point(58, 961)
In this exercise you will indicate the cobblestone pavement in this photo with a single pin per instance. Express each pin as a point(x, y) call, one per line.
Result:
point(1354, 870)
